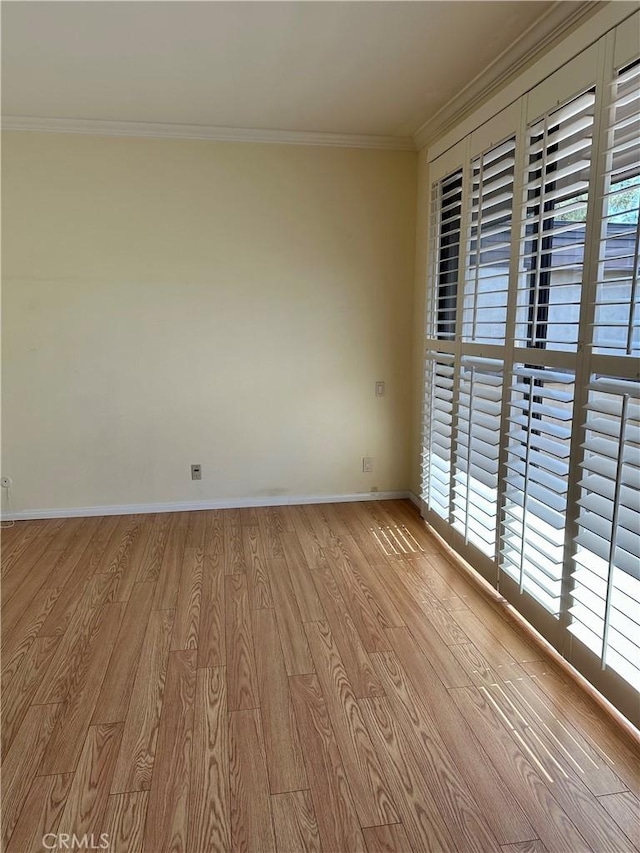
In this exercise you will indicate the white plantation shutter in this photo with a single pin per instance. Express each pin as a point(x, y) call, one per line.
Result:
point(617, 295)
point(477, 446)
point(531, 423)
point(552, 253)
point(487, 269)
point(605, 606)
point(446, 208)
point(533, 535)
point(436, 463)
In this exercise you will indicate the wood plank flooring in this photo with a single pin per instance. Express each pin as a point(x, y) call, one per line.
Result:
point(308, 678)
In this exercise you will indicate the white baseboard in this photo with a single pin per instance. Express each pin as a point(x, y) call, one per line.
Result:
point(414, 499)
point(189, 506)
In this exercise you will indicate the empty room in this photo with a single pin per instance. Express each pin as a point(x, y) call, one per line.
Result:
point(320, 468)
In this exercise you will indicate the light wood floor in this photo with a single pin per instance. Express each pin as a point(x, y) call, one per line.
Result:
point(300, 678)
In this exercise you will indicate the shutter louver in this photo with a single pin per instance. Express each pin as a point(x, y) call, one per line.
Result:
point(476, 455)
point(552, 251)
point(533, 534)
point(605, 607)
point(489, 245)
point(617, 309)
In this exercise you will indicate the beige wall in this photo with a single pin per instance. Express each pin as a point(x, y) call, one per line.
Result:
point(169, 302)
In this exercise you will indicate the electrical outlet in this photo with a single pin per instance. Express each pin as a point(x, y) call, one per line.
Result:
point(380, 389)
point(196, 472)
point(367, 464)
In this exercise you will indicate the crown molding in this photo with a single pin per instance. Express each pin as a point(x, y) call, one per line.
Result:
point(96, 127)
point(535, 40)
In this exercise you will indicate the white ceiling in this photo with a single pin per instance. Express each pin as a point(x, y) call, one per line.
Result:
point(380, 68)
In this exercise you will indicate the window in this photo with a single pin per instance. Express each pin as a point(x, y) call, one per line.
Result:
point(531, 451)
point(475, 488)
point(549, 291)
point(448, 217)
point(439, 428)
point(487, 268)
point(617, 313)
point(605, 607)
point(540, 414)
